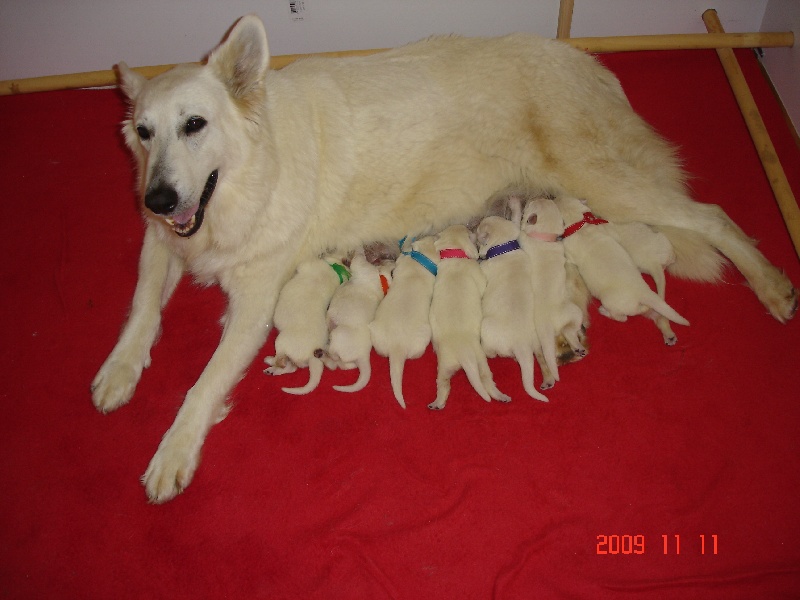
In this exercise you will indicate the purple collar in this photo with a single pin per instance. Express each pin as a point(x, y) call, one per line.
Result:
point(502, 249)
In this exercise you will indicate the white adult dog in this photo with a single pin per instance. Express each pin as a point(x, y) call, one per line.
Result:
point(245, 171)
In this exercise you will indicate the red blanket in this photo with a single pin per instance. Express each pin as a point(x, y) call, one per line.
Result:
point(654, 472)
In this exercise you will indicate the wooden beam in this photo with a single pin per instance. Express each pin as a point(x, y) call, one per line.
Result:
point(588, 44)
point(565, 8)
point(758, 132)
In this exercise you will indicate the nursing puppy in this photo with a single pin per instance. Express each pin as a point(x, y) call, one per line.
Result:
point(608, 270)
point(401, 329)
point(351, 310)
point(456, 317)
point(507, 327)
point(554, 312)
point(300, 317)
point(651, 252)
point(245, 171)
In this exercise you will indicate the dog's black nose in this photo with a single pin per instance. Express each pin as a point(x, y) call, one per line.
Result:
point(162, 200)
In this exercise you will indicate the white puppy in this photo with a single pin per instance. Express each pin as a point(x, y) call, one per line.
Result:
point(401, 329)
point(456, 317)
point(351, 310)
point(300, 317)
point(652, 253)
point(507, 328)
point(554, 312)
point(608, 270)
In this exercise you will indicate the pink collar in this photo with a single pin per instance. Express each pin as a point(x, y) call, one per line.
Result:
point(452, 253)
point(544, 237)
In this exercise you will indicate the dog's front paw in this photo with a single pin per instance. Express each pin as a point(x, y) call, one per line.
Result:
point(114, 384)
point(780, 298)
point(172, 467)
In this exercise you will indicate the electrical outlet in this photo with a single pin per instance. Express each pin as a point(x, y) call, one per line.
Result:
point(298, 10)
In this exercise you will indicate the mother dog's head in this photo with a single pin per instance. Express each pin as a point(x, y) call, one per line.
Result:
point(192, 127)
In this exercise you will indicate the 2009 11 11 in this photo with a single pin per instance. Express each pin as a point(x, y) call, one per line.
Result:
point(635, 544)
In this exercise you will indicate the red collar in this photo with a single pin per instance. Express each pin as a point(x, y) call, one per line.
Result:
point(588, 219)
point(384, 284)
point(452, 253)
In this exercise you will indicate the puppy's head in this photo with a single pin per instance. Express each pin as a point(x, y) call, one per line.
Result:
point(571, 208)
point(188, 127)
point(541, 215)
point(495, 230)
point(457, 236)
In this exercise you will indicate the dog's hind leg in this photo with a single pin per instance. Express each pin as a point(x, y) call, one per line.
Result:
point(252, 295)
point(159, 273)
point(444, 374)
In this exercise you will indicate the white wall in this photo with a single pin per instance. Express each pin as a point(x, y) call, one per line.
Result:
point(783, 64)
point(47, 37)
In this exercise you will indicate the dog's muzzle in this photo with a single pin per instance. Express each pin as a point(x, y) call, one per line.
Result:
point(163, 201)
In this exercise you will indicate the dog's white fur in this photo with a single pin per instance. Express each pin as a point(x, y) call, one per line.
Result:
point(300, 317)
point(332, 153)
point(651, 252)
point(507, 327)
point(456, 319)
point(401, 329)
point(608, 270)
point(554, 312)
point(351, 310)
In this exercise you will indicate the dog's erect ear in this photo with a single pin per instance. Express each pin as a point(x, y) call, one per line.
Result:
point(130, 82)
point(242, 59)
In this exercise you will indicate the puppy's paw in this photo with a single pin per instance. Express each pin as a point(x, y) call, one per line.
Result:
point(172, 467)
point(114, 384)
point(781, 299)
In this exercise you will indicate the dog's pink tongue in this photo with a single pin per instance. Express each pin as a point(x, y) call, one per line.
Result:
point(184, 217)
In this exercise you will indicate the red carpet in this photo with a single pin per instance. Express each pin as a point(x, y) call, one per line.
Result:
point(337, 496)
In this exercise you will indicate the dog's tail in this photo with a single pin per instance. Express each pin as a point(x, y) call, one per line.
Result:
point(654, 301)
point(473, 360)
point(396, 363)
point(695, 258)
point(315, 368)
point(469, 359)
point(524, 357)
point(364, 373)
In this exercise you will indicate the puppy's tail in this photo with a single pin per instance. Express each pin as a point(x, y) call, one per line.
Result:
point(695, 258)
point(654, 301)
point(524, 357)
point(364, 373)
point(396, 363)
point(315, 367)
point(469, 356)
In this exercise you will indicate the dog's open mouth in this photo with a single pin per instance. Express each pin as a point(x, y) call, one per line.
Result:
point(187, 224)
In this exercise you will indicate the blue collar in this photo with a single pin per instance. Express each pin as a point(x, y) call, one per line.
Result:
point(418, 256)
point(502, 249)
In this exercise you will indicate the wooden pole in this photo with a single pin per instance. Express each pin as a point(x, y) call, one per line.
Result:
point(588, 44)
point(565, 8)
point(758, 132)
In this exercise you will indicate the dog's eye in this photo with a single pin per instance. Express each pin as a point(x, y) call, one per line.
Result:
point(144, 134)
point(194, 124)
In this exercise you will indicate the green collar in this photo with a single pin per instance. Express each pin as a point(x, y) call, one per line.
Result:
point(341, 271)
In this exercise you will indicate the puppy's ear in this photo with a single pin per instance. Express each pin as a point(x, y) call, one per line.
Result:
point(242, 59)
point(515, 210)
point(129, 81)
